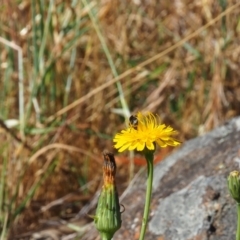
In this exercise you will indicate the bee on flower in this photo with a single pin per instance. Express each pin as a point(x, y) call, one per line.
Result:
point(145, 131)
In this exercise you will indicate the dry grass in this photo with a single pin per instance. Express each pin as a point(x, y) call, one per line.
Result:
point(179, 59)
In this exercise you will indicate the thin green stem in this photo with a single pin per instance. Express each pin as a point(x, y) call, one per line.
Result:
point(238, 224)
point(149, 158)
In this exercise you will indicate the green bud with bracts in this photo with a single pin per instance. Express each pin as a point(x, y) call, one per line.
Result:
point(108, 216)
point(234, 185)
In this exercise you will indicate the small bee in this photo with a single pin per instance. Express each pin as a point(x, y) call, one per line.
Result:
point(133, 122)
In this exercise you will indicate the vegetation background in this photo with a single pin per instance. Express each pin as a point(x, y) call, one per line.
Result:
point(71, 74)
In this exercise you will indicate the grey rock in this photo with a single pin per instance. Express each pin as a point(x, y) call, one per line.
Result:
point(188, 215)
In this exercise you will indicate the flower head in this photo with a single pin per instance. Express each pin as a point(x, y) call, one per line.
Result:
point(143, 132)
point(234, 185)
point(108, 216)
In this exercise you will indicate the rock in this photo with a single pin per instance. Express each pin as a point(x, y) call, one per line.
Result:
point(190, 197)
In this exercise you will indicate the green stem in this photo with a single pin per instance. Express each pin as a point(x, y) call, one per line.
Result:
point(238, 224)
point(149, 158)
point(105, 236)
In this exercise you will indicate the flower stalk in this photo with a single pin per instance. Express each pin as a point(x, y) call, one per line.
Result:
point(149, 158)
point(238, 223)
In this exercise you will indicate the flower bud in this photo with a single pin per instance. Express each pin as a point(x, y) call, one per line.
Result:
point(108, 216)
point(234, 185)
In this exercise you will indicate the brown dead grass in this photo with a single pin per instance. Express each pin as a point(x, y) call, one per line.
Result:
point(179, 59)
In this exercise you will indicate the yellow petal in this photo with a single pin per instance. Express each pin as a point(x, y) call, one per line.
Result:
point(150, 145)
point(133, 146)
point(124, 147)
point(161, 143)
point(140, 146)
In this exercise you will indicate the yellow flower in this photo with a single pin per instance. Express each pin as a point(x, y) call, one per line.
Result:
point(143, 132)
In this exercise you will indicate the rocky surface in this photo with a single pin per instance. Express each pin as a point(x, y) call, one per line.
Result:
point(190, 197)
